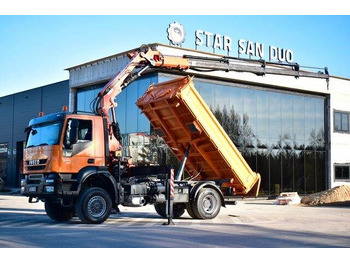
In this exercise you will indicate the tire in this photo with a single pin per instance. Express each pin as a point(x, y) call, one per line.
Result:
point(207, 204)
point(57, 212)
point(178, 209)
point(190, 210)
point(93, 206)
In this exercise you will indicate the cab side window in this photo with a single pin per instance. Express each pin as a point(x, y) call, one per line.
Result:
point(85, 130)
point(78, 136)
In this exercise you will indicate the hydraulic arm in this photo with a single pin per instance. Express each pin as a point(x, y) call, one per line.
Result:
point(104, 103)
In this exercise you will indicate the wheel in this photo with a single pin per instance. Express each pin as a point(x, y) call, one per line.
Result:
point(93, 206)
point(57, 212)
point(178, 209)
point(207, 204)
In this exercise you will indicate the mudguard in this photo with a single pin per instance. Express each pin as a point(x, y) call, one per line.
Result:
point(89, 171)
point(207, 184)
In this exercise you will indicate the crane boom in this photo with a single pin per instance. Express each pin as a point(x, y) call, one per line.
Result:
point(140, 59)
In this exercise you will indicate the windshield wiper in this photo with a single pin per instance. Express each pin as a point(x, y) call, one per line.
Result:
point(43, 144)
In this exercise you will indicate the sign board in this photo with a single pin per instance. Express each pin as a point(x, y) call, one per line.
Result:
point(218, 42)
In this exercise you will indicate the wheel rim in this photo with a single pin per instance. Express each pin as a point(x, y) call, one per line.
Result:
point(209, 204)
point(97, 206)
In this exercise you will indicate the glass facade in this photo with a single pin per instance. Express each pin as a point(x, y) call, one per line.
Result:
point(280, 134)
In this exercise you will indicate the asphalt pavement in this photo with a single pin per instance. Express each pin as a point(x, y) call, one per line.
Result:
point(252, 223)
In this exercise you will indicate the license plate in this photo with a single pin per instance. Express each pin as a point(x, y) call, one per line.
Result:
point(32, 189)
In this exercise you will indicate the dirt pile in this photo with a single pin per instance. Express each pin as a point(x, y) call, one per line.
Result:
point(339, 195)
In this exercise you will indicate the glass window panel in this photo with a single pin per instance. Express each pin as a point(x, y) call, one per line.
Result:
point(236, 100)
point(275, 116)
point(275, 171)
point(299, 144)
point(131, 109)
point(321, 173)
point(142, 121)
point(263, 169)
point(338, 172)
point(337, 121)
point(319, 121)
point(206, 90)
point(236, 115)
point(249, 155)
point(263, 142)
point(299, 118)
point(310, 127)
point(249, 115)
point(275, 143)
point(310, 174)
point(346, 174)
point(299, 174)
point(3, 160)
point(262, 114)
point(222, 99)
point(80, 101)
point(345, 122)
point(287, 115)
point(121, 111)
point(287, 171)
point(287, 121)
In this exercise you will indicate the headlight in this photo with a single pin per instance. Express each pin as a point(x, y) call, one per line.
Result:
point(23, 182)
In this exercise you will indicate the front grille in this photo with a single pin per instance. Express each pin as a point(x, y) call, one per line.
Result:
point(35, 168)
point(36, 164)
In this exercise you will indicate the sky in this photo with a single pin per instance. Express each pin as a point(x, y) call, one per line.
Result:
point(36, 50)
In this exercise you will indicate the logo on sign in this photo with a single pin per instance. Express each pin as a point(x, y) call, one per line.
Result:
point(176, 33)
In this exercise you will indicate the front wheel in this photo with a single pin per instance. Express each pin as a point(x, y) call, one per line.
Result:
point(58, 212)
point(207, 204)
point(93, 206)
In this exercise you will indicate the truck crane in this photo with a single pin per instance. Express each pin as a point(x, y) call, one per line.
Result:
point(73, 162)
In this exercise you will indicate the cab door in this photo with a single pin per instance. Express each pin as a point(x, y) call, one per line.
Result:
point(78, 145)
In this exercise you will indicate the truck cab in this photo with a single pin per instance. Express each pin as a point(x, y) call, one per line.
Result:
point(64, 152)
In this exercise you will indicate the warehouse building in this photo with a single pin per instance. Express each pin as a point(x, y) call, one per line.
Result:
point(294, 131)
point(15, 112)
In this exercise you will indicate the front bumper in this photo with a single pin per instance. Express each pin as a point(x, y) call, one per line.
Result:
point(41, 185)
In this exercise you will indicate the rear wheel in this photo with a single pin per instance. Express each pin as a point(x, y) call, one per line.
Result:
point(178, 209)
point(207, 204)
point(93, 206)
point(57, 212)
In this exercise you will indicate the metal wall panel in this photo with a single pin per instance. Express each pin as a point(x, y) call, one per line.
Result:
point(97, 71)
point(15, 112)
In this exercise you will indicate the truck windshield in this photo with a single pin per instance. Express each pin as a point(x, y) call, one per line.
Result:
point(44, 134)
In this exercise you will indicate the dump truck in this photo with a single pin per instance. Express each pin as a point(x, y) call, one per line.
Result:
point(72, 160)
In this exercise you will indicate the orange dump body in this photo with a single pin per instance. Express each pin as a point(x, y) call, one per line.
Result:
point(181, 117)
